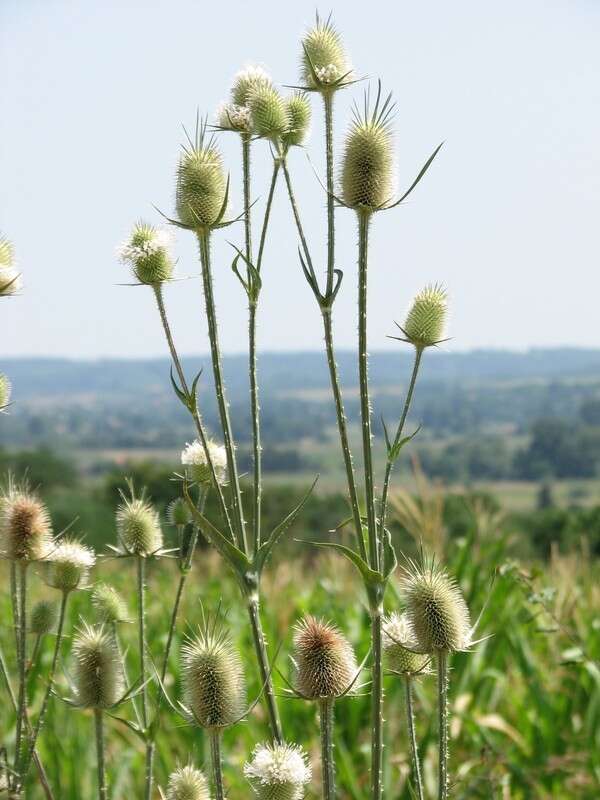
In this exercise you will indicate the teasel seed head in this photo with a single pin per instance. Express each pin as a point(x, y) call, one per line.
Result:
point(68, 565)
point(367, 164)
point(196, 463)
point(98, 675)
point(213, 678)
point(109, 604)
point(322, 49)
point(25, 527)
point(138, 526)
point(298, 113)
point(10, 278)
point(436, 609)
point(43, 617)
point(397, 632)
point(325, 661)
point(178, 513)
point(187, 783)
point(246, 81)
point(147, 252)
point(426, 319)
point(201, 183)
point(5, 391)
point(268, 112)
point(278, 771)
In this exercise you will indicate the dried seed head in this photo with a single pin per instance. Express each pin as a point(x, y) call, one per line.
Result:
point(268, 111)
point(426, 319)
point(98, 672)
point(367, 164)
point(436, 610)
point(138, 527)
point(10, 278)
point(178, 512)
point(213, 678)
point(43, 617)
point(109, 605)
point(297, 109)
point(194, 458)
point(68, 565)
point(5, 391)
point(187, 783)
point(147, 252)
point(201, 183)
point(323, 52)
point(278, 771)
point(25, 527)
point(397, 632)
point(234, 118)
point(325, 662)
point(246, 81)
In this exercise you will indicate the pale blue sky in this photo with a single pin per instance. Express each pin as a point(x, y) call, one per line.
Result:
point(93, 97)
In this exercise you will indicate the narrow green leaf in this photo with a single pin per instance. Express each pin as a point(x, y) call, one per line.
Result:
point(370, 576)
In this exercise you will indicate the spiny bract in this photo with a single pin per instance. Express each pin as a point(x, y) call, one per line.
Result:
point(5, 391)
point(436, 609)
point(194, 458)
point(213, 678)
point(98, 671)
point(268, 112)
point(187, 783)
point(325, 662)
point(109, 605)
point(323, 52)
point(43, 617)
point(68, 565)
point(397, 632)
point(426, 319)
point(246, 81)
point(278, 771)
point(147, 251)
point(298, 113)
point(138, 527)
point(201, 184)
point(25, 527)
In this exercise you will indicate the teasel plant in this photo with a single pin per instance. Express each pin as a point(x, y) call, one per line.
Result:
point(187, 783)
point(278, 771)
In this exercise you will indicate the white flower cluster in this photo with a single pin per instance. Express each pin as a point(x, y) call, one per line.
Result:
point(234, 117)
point(398, 630)
point(144, 244)
point(327, 74)
point(10, 278)
point(194, 457)
point(278, 764)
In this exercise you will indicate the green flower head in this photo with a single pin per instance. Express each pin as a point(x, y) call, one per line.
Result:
point(426, 319)
point(147, 252)
point(399, 643)
point(278, 771)
point(98, 674)
point(68, 565)
point(138, 526)
point(10, 278)
point(298, 119)
point(268, 112)
point(324, 64)
point(109, 605)
point(5, 391)
point(325, 662)
point(43, 617)
point(247, 81)
point(201, 190)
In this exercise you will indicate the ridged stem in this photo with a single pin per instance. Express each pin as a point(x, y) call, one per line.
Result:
point(326, 716)
point(99, 729)
point(14, 597)
point(377, 707)
point(223, 405)
point(217, 765)
point(260, 648)
point(255, 414)
point(442, 685)
point(141, 592)
point(410, 723)
point(22, 662)
point(328, 104)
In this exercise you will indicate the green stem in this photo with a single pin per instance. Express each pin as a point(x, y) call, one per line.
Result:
point(22, 666)
point(141, 589)
point(124, 671)
point(217, 766)
point(328, 104)
point(442, 672)
point(410, 721)
point(296, 212)
point(263, 234)
point(14, 596)
point(35, 652)
point(99, 726)
point(377, 707)
point(246, 144)
point(326, 707)
point(264, 668)
point(213, 335)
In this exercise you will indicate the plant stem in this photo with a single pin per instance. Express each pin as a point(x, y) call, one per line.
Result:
point(442, 663)
point(377, 707)
point(14, 596)
point(141, 589)
point(264, 669)
point(223, 405)
point(246, 144)
point(22, 662)
point(99, 726)
point(217, 767)
point(328, 104)
point(124, 671)
point(410, 721)
point(326, 708)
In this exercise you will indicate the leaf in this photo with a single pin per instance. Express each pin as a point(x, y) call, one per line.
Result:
point(180, 394)
point(226, 201)
point(390, 560)
point(424, 169)
point(394, 450)
point(276, 534)
point(370, 576)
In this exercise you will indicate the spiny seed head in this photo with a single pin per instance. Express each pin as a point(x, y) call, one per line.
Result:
point(147, 252)
point(234, 118)
point(246, 81)
point(187, 783)
point(68, 565)
point(43, 617)
point(109, 605)
point(98, 672)
point(268, 111)
point(25, 527)
point(397, 632)
point(5, 391)
point(178, 513)
point(7, 253)
point(138, 526)
point(278, 771)
point(436, 610)
point(213, 678)
point(325, 662)
point(194, 458)
point(298, 114)
point(323, 52)
point(10, 278)
point(426, 319)
point(201, 183)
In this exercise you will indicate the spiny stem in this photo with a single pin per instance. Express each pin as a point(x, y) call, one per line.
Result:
point(14, 596)
point(99, 727)
point(141, 589)
point(296, 212)
point(377, 707)
point(442, 673)
point(326, 709)
point(268, 207)
point(410, 722)
point(328, 104)
point(22, 663)
point(246, 145)
point(264, 669)
point(213, 335)
point(217, 767)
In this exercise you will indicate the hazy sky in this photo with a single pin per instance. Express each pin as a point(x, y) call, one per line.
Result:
point(93, 97)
